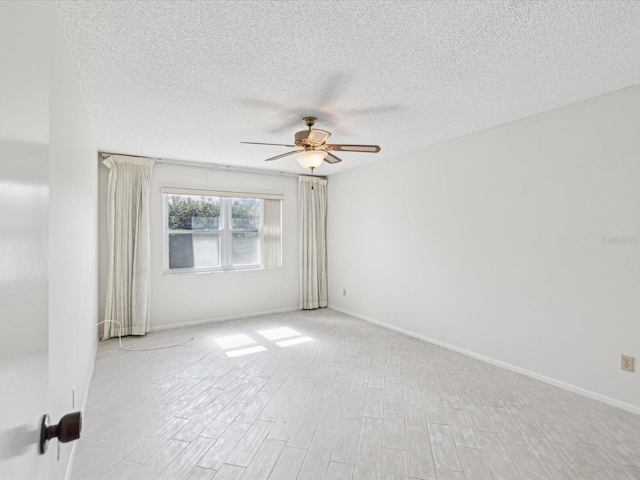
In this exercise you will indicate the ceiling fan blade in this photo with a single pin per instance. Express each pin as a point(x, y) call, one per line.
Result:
point(353, 148)
point(282, 155)
point(276, 144)
point(331, 158)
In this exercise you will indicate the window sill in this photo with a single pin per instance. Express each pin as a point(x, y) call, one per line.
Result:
point(171, 273)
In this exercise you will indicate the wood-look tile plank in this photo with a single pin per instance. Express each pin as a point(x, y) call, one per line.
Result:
point(152, 444)
point(460, 428)
point(331, 415)
point(505, 427)
point(254, 407)
point(264, 460)
point(223, 446)
point(393, 396)
point(433, 409)
point(376, 378)
point(366, 471)
point(443, 447)
point(370, 442)
point(373, 403)
point(274, 408)
point(354, 405)
point(410, 385)
point(339, 471)
point(393, 429)
point(200, 473)
point(526, 462)
point(153, 468)
point(229, 472)
point(392, 373)
point(319, 396)
point(346, 441)
point(251, 390)
point(414, 413)
point(122, 470)
point(195, 426)
point(341, 386)
point(199, 402)
point(478, 418)
point(444, 474)
point(283, 427)
point(230, 394)
point(473, 464)
point(316, 461)
point(522, 420)
point(222, 421)
point(360, 378)
point(302, 433)
point(188, 459)
point(288, 464)
point(419, 457)
point(301, 394)
point(394, 464)
point(496, 456)
point(249, 444)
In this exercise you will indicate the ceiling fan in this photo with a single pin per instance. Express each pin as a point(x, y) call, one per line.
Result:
point(311, 149)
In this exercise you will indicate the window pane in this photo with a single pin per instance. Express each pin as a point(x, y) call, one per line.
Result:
point(189, 212)
point(246, 248)
point(188, 250)
point(245, 213)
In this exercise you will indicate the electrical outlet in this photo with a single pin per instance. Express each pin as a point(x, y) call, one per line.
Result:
point(212, 300)
point(626, 363)
point(344, 292)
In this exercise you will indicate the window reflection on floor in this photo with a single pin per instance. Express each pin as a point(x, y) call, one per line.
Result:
point(234, 341)
point(294, 341)
point(278, 333)
point(246, 351)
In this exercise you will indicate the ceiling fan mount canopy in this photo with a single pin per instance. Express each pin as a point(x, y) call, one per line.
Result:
point(309, 121)
point(311, 148)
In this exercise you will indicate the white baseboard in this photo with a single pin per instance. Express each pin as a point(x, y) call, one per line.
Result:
point(83, 409)
point(552, 381)
point(223, 319)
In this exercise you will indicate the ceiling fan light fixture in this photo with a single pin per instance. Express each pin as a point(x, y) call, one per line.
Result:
point(311, 159)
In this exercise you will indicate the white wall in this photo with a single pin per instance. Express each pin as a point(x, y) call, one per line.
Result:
point(492, 243)
point(185, 299)
point(73, 242)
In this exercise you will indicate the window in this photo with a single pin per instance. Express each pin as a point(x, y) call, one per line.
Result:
point(219, 231)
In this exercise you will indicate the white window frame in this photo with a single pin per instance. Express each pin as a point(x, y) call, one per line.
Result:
point(225, 231)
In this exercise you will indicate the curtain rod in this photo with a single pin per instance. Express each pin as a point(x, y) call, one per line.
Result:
point(214, 166)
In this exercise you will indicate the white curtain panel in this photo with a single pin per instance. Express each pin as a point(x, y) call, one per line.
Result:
point(271, 233)
point(312, 198)
point(128, 234)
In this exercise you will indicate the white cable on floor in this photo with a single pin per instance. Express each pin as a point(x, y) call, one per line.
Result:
point(140, 349)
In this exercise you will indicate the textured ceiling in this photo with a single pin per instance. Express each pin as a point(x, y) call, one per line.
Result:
point(190, 80)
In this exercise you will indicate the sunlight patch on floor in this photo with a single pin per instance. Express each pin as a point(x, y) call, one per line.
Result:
point(246, 351)
point(278, 333)
point(294, 341)
point(234, 341)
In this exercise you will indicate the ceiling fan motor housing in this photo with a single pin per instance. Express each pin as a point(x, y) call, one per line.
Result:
point(311, 138)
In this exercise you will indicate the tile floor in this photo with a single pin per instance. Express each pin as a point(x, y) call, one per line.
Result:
point(339, 398)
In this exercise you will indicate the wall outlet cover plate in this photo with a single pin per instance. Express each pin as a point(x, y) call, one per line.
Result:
point(626, 363)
